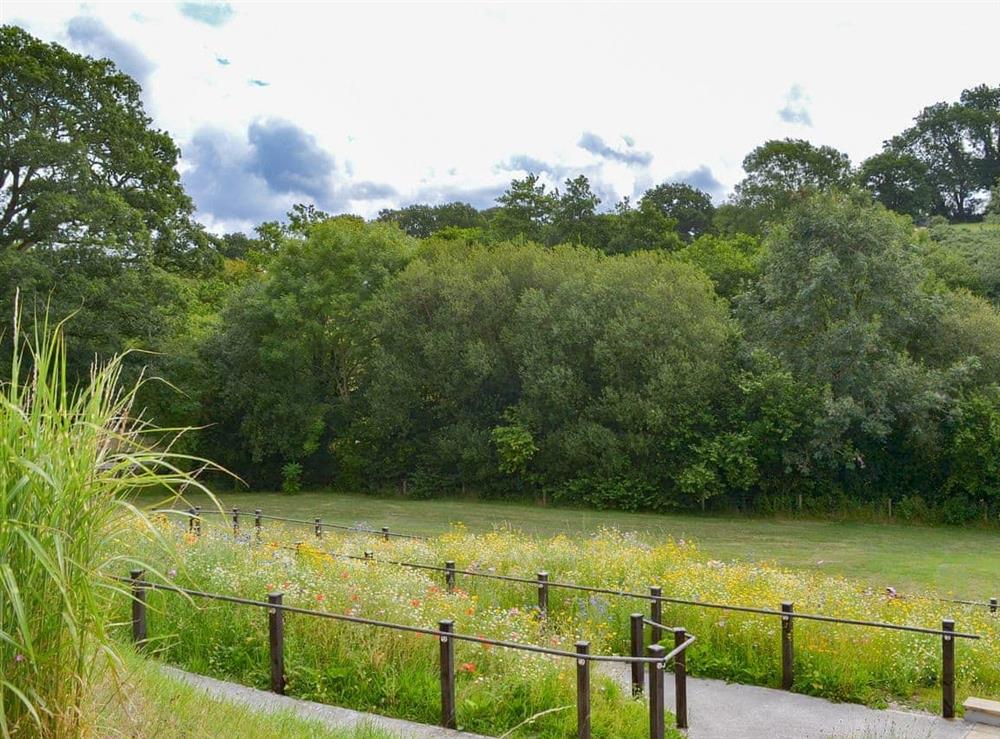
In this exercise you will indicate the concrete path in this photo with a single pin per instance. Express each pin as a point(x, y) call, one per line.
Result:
point(335, 718)
point(719, 710)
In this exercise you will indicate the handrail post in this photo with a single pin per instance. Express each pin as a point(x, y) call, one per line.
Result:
point(657, 722)
point(448, 719)
point(138, 607)
point(191, 520)
point(385, 533)
point(319, 529)
point(276, 638)
point(655, 614)
point(449, 575)
point(993, 605)
point(197, 520)
point(637, 629)
point(583, 690)
point(368, 554)
point(680, 679)
point(543, 593)
point(256, 521)
point(947, 669)
point(787, 645)
point(236, 522)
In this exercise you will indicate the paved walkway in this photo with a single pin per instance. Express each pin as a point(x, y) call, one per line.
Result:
point(716, 710)
point(720, 710)
point(332, 716)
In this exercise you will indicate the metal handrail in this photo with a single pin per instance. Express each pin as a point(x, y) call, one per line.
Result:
point(390, 625)
point(662, 598)
point(691, 639)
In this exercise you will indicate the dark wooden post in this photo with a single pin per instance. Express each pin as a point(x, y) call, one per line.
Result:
point(385, 533)
point(191, 519)
point(787, 646)
point(543, 593)
point(447, 675)
point(197, 520)
point(993, 605)
point(138, 607)
point(656, 614)
point(583, 690)
point(680, 680)
point(637, 632)
point(276, 634)
point(368, 555)
point(947, 669)
point(449, 575)
point(236, 521)
point(657, 722)
point(256, 521)
point(319, 529)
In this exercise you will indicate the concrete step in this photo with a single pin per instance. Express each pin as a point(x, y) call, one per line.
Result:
point(982, 711)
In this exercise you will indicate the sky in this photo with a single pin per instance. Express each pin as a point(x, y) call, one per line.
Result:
point(360, 107)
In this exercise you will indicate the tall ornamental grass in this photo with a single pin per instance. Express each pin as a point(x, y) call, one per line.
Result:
point(71, 454)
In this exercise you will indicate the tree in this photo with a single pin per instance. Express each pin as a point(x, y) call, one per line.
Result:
point(574, 217)
point(732, 262)
point(840, 304)
point(690, 207)
point(595, 374)
point(780, 173)
point(900, 182)
point(631, 229)
point(525, 209)
point(290, 350)
point(421, 221)
point(80, 163)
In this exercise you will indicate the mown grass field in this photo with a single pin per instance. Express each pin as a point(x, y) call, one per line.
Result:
point(961, 562)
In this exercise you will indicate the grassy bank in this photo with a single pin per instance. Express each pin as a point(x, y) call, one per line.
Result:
point(962, 562)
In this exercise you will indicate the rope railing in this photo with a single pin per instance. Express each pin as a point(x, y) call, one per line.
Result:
point(655, 661)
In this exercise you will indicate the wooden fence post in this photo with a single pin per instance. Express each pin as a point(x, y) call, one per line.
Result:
point(191, 520)
point(276, 637)
point(656, 614)
point(583, 690)
point(543, 593)
point(787, 646)
point(197, 520)
point(368, 555)
point(993, 605)
point(319, 528)
point(657, 722)
point(637, 632)
point(448, 719)
point(236, 522)
point(947, 669)
point(449, 575)
point(256, 521)
point(385, 533)
point(138, 607)
point(680, 680)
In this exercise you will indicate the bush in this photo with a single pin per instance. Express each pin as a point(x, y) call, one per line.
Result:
point(291, 477)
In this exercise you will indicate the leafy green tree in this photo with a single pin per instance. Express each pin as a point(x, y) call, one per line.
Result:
point(574, 217)
point(732, 262)
point(782, 172)
point(690, 207)
point(525, 210)
point(80, 164)
point(900, 182)
point(290, 350)
point(608, 365)
point(645, 227)
point(840, 303)
point(422, 221)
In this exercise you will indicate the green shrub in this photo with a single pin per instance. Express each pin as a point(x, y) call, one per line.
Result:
point(291, 477)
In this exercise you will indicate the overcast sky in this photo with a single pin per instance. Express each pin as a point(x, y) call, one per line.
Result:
point(359, 107)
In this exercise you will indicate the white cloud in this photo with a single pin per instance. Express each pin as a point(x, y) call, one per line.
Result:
point(430, 99)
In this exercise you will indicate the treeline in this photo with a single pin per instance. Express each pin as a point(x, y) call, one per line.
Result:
point(830, 334)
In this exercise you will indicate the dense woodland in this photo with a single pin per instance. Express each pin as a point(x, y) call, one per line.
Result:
point(828, 336)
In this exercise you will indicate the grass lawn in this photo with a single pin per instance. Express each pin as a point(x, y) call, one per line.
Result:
point(963, 562)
